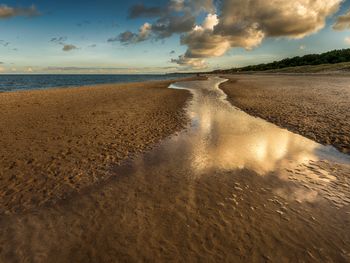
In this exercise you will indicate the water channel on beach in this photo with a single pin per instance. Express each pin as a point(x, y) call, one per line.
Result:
point(230, 188)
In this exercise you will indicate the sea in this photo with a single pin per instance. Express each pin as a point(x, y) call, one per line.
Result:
point(30, 82)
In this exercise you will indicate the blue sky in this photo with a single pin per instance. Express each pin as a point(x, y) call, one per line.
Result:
point(26, 44)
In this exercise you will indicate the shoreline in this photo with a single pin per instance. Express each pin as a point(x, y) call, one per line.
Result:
point(56, 142)
point(305, 104)
point(114, 82)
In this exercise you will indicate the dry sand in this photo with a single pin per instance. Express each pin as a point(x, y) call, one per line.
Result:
point(314, 106)
point(59, 141)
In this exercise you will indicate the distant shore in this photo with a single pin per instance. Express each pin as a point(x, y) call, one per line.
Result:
point(58, 141)
point(312, 105)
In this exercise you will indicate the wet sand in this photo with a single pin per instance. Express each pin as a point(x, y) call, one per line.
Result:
point(315, 106)
point(59, 141)
point(230, 188)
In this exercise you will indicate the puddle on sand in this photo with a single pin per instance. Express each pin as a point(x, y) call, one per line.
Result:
point(230, 188)
point(222, 137)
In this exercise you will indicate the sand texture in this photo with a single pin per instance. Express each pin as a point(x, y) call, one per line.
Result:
point(229, 188)
point(55, 142)
point(314, 106)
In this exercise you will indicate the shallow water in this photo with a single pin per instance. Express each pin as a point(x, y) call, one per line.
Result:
point(16, 82)
point(230, 188)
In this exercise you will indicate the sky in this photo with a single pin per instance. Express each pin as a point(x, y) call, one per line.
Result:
point(162, 36)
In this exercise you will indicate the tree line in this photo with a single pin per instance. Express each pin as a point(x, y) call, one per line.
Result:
point(331, 57)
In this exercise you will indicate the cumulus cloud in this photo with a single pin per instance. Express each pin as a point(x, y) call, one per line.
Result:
point(9, 12)
point(69, 47)
point(343, 22)
point(276, 18)
point(235, 23)
point(247, 23)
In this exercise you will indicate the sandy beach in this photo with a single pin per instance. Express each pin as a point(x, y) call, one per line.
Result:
point(59, 141)
point(316, 106)
point(229, 188)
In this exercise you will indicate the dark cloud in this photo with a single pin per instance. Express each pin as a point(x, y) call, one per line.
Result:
point(125, 37)
point(4, 43)
point(93, 46)
point(62, 41)
point(169, 25)
point(129, 37)
point(69, 47)
point(176, 18)
point(140, 10)
point(58, 40)
point(172, 52)
point(9, 12)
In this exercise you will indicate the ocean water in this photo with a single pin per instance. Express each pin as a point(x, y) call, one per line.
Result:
point(30, 82)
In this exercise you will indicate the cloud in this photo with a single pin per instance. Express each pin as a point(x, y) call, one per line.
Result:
point(69, 47)
point(302, 47)
point(58, 40)
point(9, 12)
point(178, 17)
point(112, 70)
point(140, 10)
point(231, 24)
point(247, 23)
point(168, 25)
point(62, 41)
point(129, 37)
point(277, 18)
point(193, 63)
point(172, 52)
point(1, 62)
point(347, 40)
point(343, 22)
point(4, 43)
